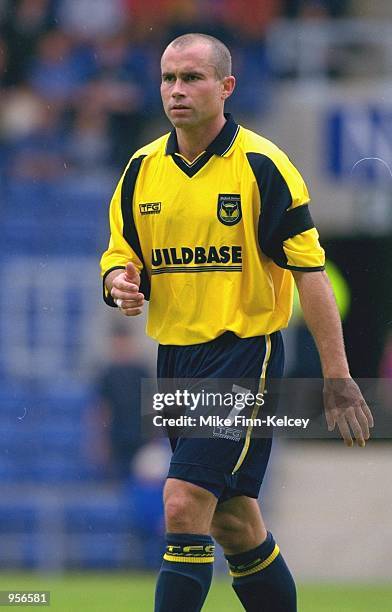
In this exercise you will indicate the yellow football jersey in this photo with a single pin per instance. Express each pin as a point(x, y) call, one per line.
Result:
point(214, 239)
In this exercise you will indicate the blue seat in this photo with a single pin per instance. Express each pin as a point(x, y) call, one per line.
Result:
point(98, 517)
point(17, 518)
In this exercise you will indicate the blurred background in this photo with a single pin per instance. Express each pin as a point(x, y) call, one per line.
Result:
point(79, 93)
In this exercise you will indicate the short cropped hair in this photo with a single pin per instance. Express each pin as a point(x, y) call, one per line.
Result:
point(220, 54)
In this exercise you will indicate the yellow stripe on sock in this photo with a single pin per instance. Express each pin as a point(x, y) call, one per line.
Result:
point(188, 559)
point(258, 567)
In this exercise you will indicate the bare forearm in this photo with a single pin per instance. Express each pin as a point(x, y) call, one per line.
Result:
point(343, 401)
point(322, 318)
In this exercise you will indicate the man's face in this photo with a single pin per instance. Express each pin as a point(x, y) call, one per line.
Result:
point(192, 94)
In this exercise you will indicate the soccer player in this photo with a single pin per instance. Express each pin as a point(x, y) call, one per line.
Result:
point(211, 224)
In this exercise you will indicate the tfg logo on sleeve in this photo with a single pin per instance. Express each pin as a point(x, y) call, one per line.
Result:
point(150, 208)
point(229, 208)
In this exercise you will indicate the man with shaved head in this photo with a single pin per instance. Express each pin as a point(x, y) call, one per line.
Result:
point(211, 224)
point(219, 54)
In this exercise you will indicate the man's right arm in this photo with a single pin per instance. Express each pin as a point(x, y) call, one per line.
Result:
point(121, 263)
point(123, 286)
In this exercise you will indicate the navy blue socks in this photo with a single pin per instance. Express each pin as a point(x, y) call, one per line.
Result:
point(262, 580)
point(186, 573)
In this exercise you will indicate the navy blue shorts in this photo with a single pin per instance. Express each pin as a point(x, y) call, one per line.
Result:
point(225, 467)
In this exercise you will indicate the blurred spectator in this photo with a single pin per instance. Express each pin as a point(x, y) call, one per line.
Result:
point(121, 88)
point(4, 62)
point(34, 165)
point(3, 83)
point(251, 19)
point(144, 490)
point(87, 145)
point(192, 16)
point(87, 19)
point(119, 405)
point(316, 8)
point(252, 95)
point(25, 21)
point(34, 132)
point(149, 18)
point(60, 67)
point(22, 113)
point(3, 10)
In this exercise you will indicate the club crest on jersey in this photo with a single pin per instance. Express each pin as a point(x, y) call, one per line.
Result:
point(229, 208)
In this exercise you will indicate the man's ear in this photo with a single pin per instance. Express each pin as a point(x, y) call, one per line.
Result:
point(228, 85)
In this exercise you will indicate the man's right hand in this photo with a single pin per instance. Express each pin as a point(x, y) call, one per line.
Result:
point(125, 290)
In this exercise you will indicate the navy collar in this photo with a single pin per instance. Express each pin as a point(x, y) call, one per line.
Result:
point(219, 146)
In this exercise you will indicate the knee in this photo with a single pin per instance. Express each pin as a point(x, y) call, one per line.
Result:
point(231, 532)
point(228, 529)
point(177, 512)
point(188, 508)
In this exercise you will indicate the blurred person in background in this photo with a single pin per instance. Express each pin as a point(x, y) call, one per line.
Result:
point(122, 69)
point(314, 17)
point(4, 64)
point(117, 416)
point(24, 22)
point(3, 84)
point(315, 8)
point(87, 20)
point(60, 67)
point(144, 491)
point(88, 144)
point(35, 144)
point(149, 19)
point(198, 16)
point(250, 22)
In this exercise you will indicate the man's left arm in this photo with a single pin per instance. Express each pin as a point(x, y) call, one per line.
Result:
point(343, 400)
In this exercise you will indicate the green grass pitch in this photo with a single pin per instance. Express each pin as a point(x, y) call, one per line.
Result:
point(121, 592)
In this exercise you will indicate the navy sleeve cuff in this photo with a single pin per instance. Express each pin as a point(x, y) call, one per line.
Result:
point(299, 269)
point(295, 221)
